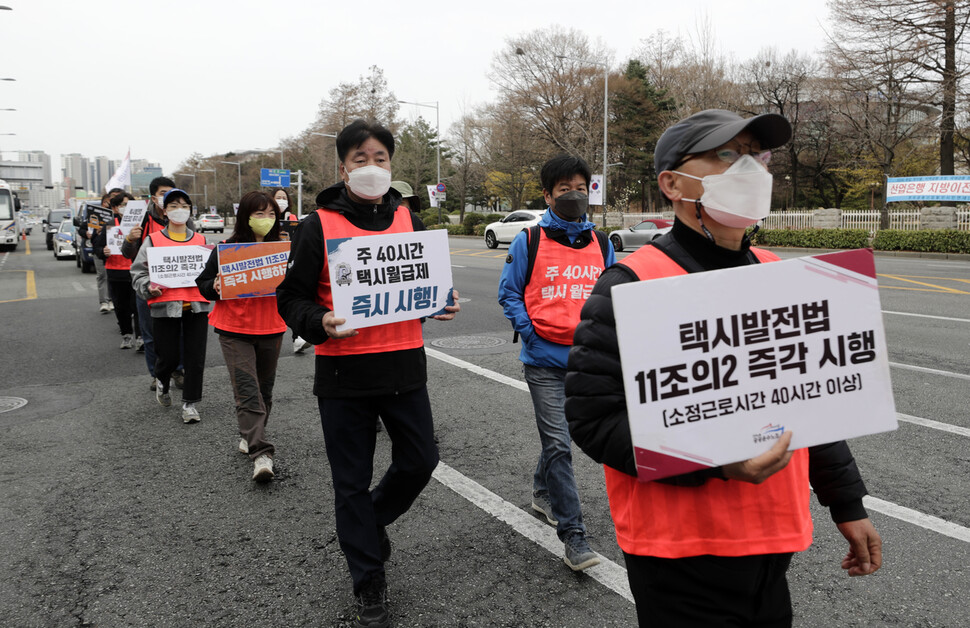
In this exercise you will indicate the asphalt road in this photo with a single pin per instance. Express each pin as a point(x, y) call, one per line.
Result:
point(116, 514)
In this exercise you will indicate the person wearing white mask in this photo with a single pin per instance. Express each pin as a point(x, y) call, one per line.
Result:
point(179, 315)
point(289, 224)
point(366, 373)
point(708, 547)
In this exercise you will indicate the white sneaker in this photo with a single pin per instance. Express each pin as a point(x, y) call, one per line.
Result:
point(300, 345)
point(104, 309)
point(263, 469)
point(139, 344)
point(162, 397)
point(126, 341)
point(243, 446)
point(111, 306)
point(190, 414)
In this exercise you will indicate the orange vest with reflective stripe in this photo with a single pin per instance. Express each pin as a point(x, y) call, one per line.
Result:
point(177, 294)
point(117, 262)
point(254, 316)
point(562, 279)
point(721, 517)
point(380, 338)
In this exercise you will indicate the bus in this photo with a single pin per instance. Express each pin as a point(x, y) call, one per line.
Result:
point(9, 218)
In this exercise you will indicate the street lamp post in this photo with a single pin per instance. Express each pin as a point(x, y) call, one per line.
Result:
point(186, 174)
point(238, 166)
point(606, 113)
point(215, 184)
point(437, 124)
point(336, 157)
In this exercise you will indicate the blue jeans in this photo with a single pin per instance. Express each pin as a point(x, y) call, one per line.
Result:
point(554, 472)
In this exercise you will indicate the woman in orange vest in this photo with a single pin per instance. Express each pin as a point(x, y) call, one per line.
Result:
point(710, 547)
point(117, 267)
point(250, 333)
point(179, 315)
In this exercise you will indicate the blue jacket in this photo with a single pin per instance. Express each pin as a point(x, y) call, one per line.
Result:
point(536, 351)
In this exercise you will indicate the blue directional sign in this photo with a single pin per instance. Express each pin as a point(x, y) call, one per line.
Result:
point(274, 178)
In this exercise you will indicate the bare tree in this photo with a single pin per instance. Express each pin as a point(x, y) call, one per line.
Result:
point(469, 173)
point(510, 152)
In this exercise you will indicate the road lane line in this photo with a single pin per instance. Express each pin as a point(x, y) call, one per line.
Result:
point(942, 318)
point(923, 369)
point(607, 573)
point(908, 515)
point(936, 425)
point(30, 287)
point(922, 283)
point(929, 522)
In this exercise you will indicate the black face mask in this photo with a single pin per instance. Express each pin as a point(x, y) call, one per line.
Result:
point(571, 205)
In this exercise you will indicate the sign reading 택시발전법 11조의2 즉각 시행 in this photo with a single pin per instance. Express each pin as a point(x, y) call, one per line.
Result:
point(389, 278)
point(177, 266)
point(252, 269)
point(735, 357)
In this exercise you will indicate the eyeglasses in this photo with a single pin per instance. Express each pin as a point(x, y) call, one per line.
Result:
point(729, 156)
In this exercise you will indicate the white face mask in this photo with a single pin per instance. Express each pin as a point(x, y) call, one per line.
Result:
point(369, 182)
point(178, 216)
point(740, 196)
point(160, 200)
point(282, 203)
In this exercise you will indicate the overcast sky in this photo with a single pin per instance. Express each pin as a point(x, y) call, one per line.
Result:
point(172, 77)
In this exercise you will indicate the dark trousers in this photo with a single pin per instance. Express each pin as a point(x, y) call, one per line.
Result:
point(123, 297)
point(711, 591)
point(251, 362)
point(350, 433)
point(193, 329)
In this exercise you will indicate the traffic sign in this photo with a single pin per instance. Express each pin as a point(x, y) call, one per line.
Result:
point(442, 197)
point(274, 178)
point(441, 187)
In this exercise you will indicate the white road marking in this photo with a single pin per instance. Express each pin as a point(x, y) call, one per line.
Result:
point(492, 502)
point(941, 318)
point(923, 369)
point(936, 425)
point(607, 573)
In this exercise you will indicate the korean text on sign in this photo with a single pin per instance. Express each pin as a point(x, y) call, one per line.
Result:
point(252, 269)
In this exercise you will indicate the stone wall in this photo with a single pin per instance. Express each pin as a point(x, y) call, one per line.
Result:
point(938, 218)
point(827, 218)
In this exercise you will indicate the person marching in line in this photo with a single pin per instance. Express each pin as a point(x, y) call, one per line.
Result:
point(117, 268)
point(542, 301)
point(366, 373)
point(177, 313)
point(282, 198)
point(104, 290)
point(408, 198)
point(711, 547)
point(250, 334)
point(153, 221)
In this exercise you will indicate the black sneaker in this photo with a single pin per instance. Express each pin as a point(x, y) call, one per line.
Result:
point(579, 556)
point(178, 378)
point(372, 605)
point(385, 544)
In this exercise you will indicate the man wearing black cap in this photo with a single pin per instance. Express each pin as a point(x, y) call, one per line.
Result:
point(709, 547)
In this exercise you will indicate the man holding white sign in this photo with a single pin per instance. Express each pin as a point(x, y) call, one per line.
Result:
point(363, 374)
point(712, 546)
point(106, 246)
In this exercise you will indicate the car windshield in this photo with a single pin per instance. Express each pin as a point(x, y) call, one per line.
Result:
point(6, 205)
point(645, 226)
point(58, 216)
point(66, 227)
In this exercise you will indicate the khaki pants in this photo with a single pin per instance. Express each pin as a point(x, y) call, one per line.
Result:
point(251, 362)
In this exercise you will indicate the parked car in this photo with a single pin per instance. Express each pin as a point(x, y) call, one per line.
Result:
point(64, 241)
point(53, 222)
point(639, 234)
point(211, 222)
point(505, 230)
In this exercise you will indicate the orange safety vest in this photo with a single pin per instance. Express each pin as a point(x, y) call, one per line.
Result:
point(378, 339)
point(254, 316)
point(177, 294)
point(721, 517)
point(151, 225)
point(117, 262)
point(562, 279)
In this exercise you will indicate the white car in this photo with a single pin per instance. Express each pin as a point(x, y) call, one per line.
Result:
point(210, 222)
point(505, 230)
point(64, 241)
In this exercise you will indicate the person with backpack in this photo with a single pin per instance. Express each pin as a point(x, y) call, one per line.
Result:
point(548, 275)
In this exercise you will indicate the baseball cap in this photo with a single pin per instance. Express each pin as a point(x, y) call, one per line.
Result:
point(403, 187)
point(711, 128)
point(176, 192)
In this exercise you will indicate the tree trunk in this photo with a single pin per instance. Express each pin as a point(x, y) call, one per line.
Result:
point(949, 89)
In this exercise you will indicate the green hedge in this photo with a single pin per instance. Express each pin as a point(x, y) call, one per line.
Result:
point(930, 240)
point(813, 238)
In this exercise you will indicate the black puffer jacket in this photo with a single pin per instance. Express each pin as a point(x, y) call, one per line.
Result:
point(296, 297)
point(596, 405)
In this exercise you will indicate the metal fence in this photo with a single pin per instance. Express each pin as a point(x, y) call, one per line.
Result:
point(901, 219)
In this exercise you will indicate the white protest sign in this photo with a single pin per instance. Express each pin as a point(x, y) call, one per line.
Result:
point(389, 278)
point(113, 239)
point(596, 189)
point(717, 365)
point(134, 213)
point(177, 266)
